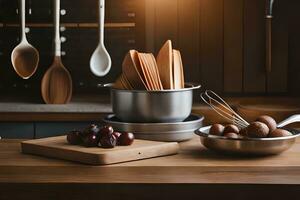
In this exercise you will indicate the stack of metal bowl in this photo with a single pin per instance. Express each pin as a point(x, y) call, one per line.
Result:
point(155, 115)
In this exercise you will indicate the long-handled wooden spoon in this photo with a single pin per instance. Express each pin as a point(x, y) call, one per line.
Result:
point(24, 58)
point(57, 82)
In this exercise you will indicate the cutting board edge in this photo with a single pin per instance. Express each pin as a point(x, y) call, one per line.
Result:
point(35, 149)
point(95, 159)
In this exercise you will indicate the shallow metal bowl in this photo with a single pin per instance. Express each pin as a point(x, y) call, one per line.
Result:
point(153, 106)
point(246, 146)
point(169, 132)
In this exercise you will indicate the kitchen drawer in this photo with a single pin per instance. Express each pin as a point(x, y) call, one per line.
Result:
point(57, 128)
point(16, 130)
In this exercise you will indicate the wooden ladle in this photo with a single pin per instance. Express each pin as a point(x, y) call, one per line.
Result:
point(56, 85)
point(24, 57)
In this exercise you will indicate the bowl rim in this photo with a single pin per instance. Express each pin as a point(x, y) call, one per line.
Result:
point(189, 87)
point(200, 118)
point(200, 132)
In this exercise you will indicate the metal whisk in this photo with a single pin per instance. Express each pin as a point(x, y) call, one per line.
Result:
point(222, 108)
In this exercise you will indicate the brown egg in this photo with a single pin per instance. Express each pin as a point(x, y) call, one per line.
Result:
point(216, 129)
point(230, 128)
point(257, 130)
point(269, 121)
point(280, 133)
point(231, 135)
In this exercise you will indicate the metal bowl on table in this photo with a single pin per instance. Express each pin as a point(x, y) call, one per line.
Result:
point(246, 146)
point(167, 132)
point(153, 106)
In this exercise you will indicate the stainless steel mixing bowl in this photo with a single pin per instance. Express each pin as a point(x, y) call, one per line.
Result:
point(153, 106)
point(247, 146)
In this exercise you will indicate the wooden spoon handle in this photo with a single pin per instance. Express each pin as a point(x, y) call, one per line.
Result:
point(57, 44)
point(101, 20)
point(22, 15)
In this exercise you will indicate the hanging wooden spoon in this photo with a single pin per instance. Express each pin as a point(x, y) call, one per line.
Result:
point(24, 57)
point(56, 84)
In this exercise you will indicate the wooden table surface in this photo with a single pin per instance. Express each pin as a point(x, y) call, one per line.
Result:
point(193, 166)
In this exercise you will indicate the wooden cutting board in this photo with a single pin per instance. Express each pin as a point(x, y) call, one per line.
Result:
point(57, 147)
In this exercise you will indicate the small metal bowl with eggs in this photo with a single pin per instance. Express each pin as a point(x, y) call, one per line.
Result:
point(262, 137)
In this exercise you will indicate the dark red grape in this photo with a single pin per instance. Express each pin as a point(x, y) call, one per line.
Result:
point(126, 139)
point(107, 141)
point(74, 137)
point(106, 130)
point(92, 129)
point(117, 134)
point(90, 140)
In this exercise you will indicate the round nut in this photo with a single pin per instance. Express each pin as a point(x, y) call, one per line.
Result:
point(280, 133)
point(257, 130)
point(269, 121)
point(216, 129)
point(230, 128)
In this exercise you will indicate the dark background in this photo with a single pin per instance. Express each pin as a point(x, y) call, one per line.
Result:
point(222, 42)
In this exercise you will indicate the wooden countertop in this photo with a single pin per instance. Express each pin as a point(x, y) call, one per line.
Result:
point(194, 164)
point(194, 170)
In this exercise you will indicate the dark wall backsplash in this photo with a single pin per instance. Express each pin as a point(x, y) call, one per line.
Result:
point(222, 41)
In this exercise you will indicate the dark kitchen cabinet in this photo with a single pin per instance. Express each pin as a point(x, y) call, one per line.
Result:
point(14, 130)
point(79, 36)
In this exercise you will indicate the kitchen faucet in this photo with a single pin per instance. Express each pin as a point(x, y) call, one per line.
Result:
point(269, 16)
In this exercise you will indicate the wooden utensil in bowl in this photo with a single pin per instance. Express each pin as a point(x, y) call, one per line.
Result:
point(164, 63)
point(56, 84)
point(177, 70)
point(130, 70)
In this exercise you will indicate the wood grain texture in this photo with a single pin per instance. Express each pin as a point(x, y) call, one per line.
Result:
point(211, 44)
point(278, 77)
point(294, 47)
point(58, 147)
point(254, 47)
point(189, 38)
point(193, 164)
point(233, 46)
point(166, 18)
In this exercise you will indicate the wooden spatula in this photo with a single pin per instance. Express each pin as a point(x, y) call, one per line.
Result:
point(118, 83)
point(137, 63)
point(126, 82)
point(152, 58)
point(164, 63)
point(182, 70)
point(131, 72)
point(177, 70)
point(151, 70)
point(145, 72)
